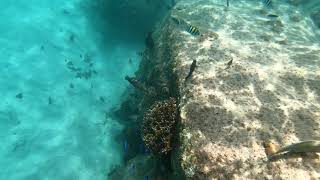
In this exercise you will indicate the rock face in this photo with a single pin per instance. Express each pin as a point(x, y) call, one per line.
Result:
point(315, 16)
point(256, 80)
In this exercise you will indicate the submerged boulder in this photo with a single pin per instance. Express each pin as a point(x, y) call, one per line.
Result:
point(252, 86)
point(228, 110)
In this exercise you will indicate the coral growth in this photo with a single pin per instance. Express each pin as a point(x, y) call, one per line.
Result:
point(158, 125)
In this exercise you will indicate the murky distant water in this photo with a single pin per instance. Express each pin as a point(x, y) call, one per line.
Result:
point(60, 76)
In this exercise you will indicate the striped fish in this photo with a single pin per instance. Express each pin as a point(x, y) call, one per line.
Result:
point(267, 2)
point(193, 30)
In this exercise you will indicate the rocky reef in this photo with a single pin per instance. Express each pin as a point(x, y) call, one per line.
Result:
point(255, 82)
point(228, 110)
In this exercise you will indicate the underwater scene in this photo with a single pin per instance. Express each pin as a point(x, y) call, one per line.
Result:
point(159, 89)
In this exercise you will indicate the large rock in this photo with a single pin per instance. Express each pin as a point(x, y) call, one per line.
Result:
point(269, 91)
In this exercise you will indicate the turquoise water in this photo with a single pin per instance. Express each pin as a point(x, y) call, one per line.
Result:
point(62, 66)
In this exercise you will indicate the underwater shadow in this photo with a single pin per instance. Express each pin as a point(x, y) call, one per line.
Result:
point(122, 22)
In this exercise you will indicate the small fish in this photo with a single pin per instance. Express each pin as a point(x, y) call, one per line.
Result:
point(125, 145)
point(65, 11)
point(101, 99)
point(140, 53)
point(192, 68)
point(132, 168)
point(273, 152)
point(229, 64)
point(193, 30)
point(69, 63)
point(49, 100)
point(176, 20)
point(146, 151)
point(19, 96)
point(267, 3)
point(227, 3)
point(272, 16)
point(71, 38)
point(304, 146)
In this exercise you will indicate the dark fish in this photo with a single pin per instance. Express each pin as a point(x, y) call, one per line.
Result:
point(267, 2)
point(69, 63)
point(101, 99)
point(229, 64)
point(140, 54)
point(176, 20)
point(71, 37)
point(227, 3)
point(147, 177)
point(139, 85)
point(272, 15)
point(65, 11)
point(193, 30)
point(125, 145)
point(49, 100)
point(19, 96)
point(192, 68)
